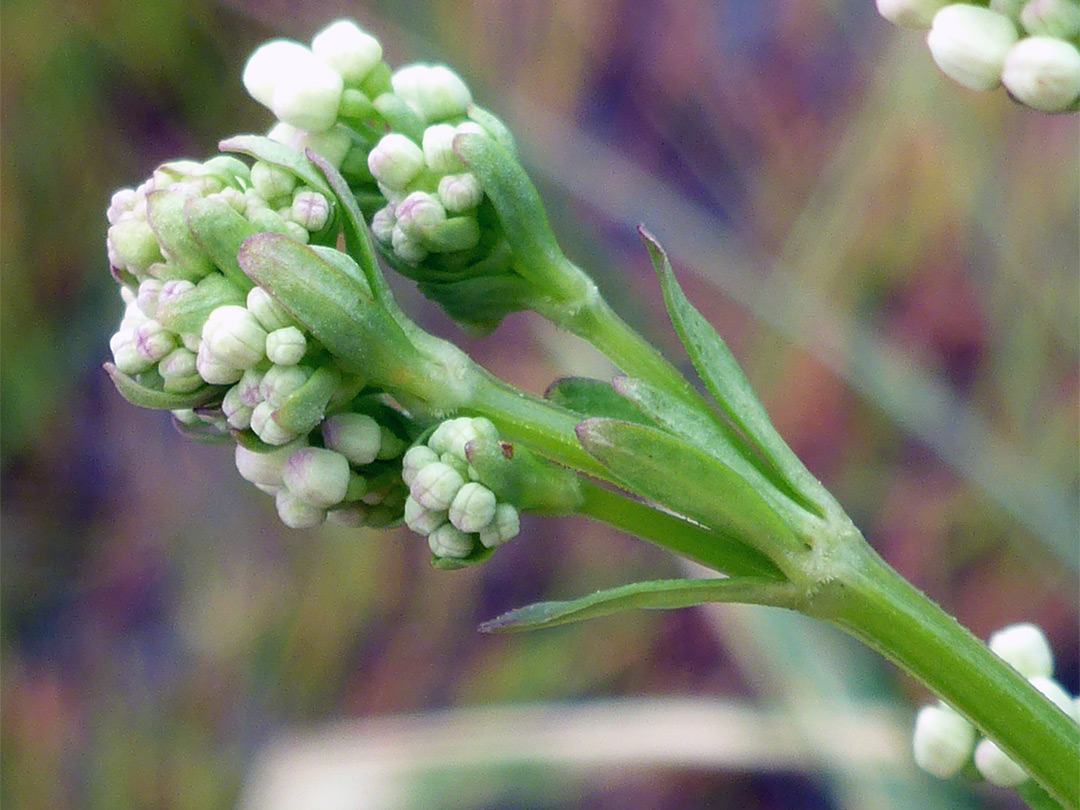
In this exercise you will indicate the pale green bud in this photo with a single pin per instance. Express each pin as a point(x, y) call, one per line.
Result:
point(504, 526)
point(435, 486)
point(449, 541)
point(178, 364)
point(317, 476)
point(235, 336)
point(452, 435)
point(347, 49)
point(213, 369)
point(272, 183)
point(438, 145)
point(406, 247)
point(133, 246)
point(264, 469)
point(969, 44)
point(473, 507)
point(414, 460)
point(421, 520)
point(909, 13)
point(1054, 692)
point(1025, 648)
point(281, 381)
point(1044, 73)
point(153, 341)
point(942, 742)
point(1052, 18)
point(121, 204)
point(310, 209)
point(395, 161)
point(125, 353)
point(435, 92)
point(296, 513)
point(997, 767)
point(286, 347)
point(270, 314)
point(390, 444)
point(173, 291)
point(460, 192)
point(356, 436)
point(457, 462)
point(147, 296)
point(418, 212)
point(267, 428)
point(237, 412)
point(382, 225)
point(333, 144)
point(1010, 8)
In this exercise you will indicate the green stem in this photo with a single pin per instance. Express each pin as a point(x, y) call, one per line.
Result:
point(871, 601)
point(673, 533)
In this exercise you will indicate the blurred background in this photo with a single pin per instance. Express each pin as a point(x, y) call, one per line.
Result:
point(893, 258)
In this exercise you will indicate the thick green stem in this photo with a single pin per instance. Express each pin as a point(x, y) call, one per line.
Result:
point(871, 601)
point(673, 533)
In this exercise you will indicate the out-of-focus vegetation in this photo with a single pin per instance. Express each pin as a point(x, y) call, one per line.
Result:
point(893, 258)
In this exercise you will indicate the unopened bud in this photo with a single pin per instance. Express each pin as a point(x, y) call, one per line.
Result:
point(133, 245)
point(395, 161)
point(296, 513)
point(997, 767)
point(178, 364)
point(267, 428)
point(1025, 648)
point(356, 436)
point(215, 370)
point(435, 486)
point(272, 183)
point(449, 541)
point(237, 412)
point(452, 435)
point(943, 741)
point(311, 210)
point(281, 381)
point(421, 520)
point(435, 92)
point(1054, 692)
point(407, 248)
point(318, 476)
point(1044, 73)
point(419, 212)
point(909, 13)
point(235, 336)
point(125, 353)
point(147, 297)
point(414, 460)
point(286, 347)
point(439, 149)
point(473, 507)
point(505, 525)
point(460, 192)
point(269, 64)
point(382, 225)
point(1051, 18)
point(347, 49)
point(969, 44)
point(153, 341)
point(267, 311)
point(264, 469)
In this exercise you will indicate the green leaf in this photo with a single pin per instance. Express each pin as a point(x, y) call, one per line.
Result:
point(658, 595)
point(202, 432)
point(671, 471)
point(188, 312)
point(476, 556)
point(520, 477)
point(139, 393)
point(165, 212)
point(277, 154)
point(591, 397)
point(400, 116)
point(728, 385)
point(220, 230)
point(479, 303)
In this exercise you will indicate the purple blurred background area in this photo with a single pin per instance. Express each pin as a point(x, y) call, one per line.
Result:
point(893, 258)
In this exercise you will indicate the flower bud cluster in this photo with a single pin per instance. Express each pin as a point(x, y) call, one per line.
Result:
point(391, 134)
point(348, 468)
point(944, 742)
point(1032, 47)
point(447, 503)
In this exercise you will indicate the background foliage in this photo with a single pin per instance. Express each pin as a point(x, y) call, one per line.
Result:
point(893, 258)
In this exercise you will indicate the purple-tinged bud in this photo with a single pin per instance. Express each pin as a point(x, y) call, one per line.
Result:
point(281, 381)
point(310, 209)
point(414, 460)
point(395, 161)
point(147, 297)
point(421, 520)
point(122, 204)
point(153, 341)
point(125, 353)
point(382, 225)
point(237, 413)
point(249, 384)
point(406, 247)
point(356, 436)
point(460, 192)
point(317, 476)
point(419, 212)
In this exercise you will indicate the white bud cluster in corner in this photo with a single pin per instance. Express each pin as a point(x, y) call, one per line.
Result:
point(446, 502)
point(345, 468)
point(1032, 47)
point(944, 742)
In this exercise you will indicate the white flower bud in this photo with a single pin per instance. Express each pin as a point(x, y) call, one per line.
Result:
point(173, 291)
point(421, 520)
point(406, 247)
point(473, 507)
point(271, 62)
point(308, 97)
point(147, 297)
point(343, 46)
point(264, 469)
point(382, 225)
point(177, 364)
point(435, 486)
point(1052, 18)
point(235, 336)
point(395, 161)
point(272, 183)
point(997, 767)
point(310, 209)
point(1024, 647)
point(191, 341)
point(1010, 8)
point(153, 341)
point(438, 146)
point(1044, 73)
point(504, 526)
point(121, 204)
point(909, 13)
point(414, 460)
point(942, 742)
point(449, 541)
point(1054, 692)
point(215, 370)
point(296, 513)
point(237, 412)
point(317, 476)
point(418, 212)
point(452, 435)
point(125, 353)
point(286, 347)
point(267, 428)
point(280, 381)
point(434, 91)
point(267, 311)
point(355, 435)
point(969, 44)
point(460, 192)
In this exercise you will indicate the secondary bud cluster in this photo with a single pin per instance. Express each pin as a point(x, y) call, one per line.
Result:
point(1029, 46)
point(944, 742)
point(348, 468)
point(447, 503)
